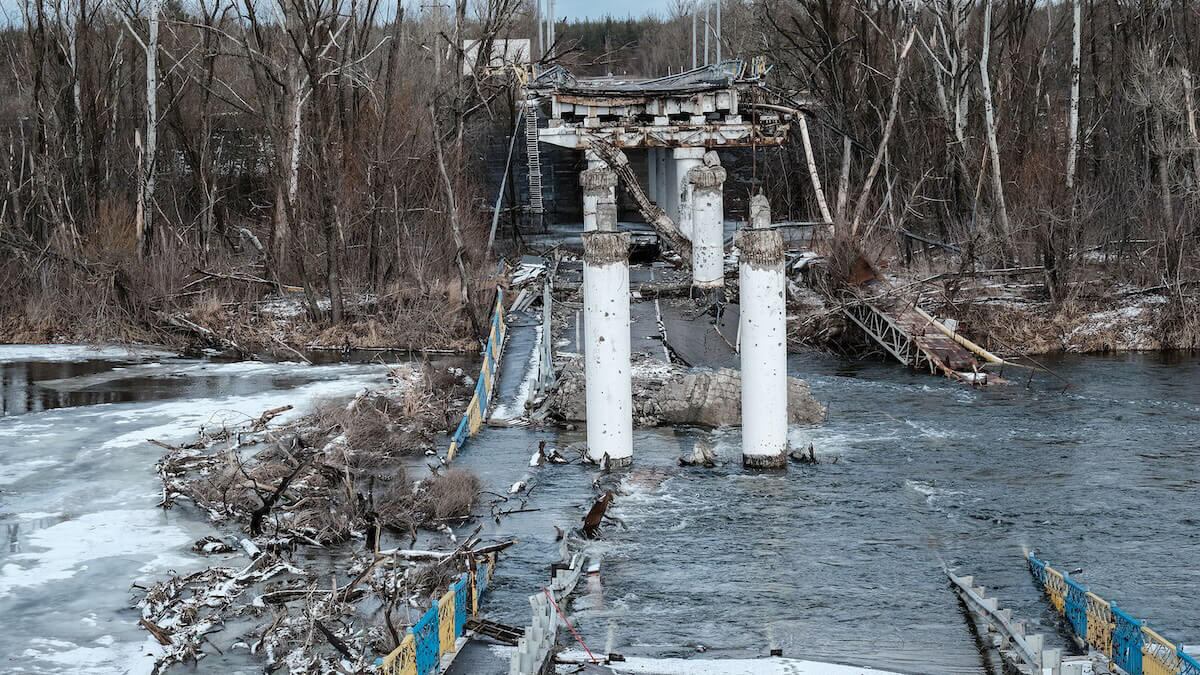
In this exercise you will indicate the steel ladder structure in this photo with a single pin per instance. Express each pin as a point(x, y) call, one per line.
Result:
point(534, 156)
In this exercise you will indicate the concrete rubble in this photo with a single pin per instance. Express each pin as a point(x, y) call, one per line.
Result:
point(666, 394)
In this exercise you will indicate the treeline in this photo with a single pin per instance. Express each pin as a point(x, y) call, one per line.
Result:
point(1054, 134)
point(315, 144)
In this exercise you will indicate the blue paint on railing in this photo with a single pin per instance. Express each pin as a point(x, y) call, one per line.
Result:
point(425, 633)
point(1127, 642)
point(1076, 606)
point(1188, 665)
point(460, 603)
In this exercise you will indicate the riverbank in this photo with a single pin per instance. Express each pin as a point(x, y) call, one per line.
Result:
point(242, 315)
point(1009, 312)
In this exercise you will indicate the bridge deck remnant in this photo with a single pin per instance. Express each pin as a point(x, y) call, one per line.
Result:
point(696, 108)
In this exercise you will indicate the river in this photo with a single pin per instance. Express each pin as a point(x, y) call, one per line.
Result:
point(840, 561)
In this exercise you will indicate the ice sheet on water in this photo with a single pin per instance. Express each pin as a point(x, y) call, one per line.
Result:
point(14, 472)
point(13, 353)
point(108, 658)
point(61, 551)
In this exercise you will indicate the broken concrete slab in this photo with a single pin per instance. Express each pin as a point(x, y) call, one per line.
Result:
point(666, 394)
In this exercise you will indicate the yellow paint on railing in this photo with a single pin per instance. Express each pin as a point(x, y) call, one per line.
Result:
point(403, 659)
point(1056, 588)
point(474, 594)
point(474, 419)
point(1099, 624)
point(446, 623)
point(491, 568)
point(1159, 657)
point(485, 374)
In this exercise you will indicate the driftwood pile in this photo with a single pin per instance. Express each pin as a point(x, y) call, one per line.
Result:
point(337, 483)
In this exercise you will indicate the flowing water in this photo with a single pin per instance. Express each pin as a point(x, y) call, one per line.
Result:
point(840, 561)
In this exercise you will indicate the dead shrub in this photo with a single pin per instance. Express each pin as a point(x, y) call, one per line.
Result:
point(449, 496)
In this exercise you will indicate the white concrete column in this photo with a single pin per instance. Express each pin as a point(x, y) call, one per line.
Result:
point(686, 159)
point(763, 334)
point(599, 185)
point(708, 222)
point(608, 385)
point(760, 212)
point(660, 159)
point(652, 174)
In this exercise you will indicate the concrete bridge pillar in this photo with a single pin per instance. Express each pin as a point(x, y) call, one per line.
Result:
point(599, 187)
point(652, 174)
point(708, 222)
point(661, 160)
point(763, 336)
point(608, 381)
point(686, 159)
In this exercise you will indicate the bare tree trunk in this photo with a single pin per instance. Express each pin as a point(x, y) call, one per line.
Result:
point(843, 186)
point(812, 171)
point(861, 207)
point(990, 123)
point(1073, 123)
point(1189, 102)
point(146, 199)
point(455, 227)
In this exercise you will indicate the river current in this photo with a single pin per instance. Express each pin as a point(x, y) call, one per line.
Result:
point(841, 561)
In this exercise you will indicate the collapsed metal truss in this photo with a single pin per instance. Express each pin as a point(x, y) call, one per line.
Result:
point(883, 330)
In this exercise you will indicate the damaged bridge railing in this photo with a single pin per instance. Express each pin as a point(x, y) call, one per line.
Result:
point(437, 632)
point(1126, 642)
point(476, 411)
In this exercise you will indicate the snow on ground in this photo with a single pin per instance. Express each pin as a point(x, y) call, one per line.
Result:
point(514, 408)
point(1131, 327)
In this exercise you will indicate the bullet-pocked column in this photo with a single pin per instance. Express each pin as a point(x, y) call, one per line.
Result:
point(763, 334)
point(606, 350)
point(685, 159)
point(708, 223)
point(599, 185)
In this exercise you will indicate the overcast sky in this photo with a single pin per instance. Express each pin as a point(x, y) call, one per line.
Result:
point(596, 9)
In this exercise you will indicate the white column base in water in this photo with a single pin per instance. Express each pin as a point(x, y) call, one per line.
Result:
point(708, 223)
point(763, 334)
point(608, 381)
point(685, 159)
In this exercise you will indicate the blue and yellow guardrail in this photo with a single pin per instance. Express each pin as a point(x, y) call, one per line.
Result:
point(437, 631)
point(1127, 643)
point(476, 412)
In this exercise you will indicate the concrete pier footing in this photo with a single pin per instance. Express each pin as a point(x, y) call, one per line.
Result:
point(607, 367)
point(708, 222)
point(763, 333)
